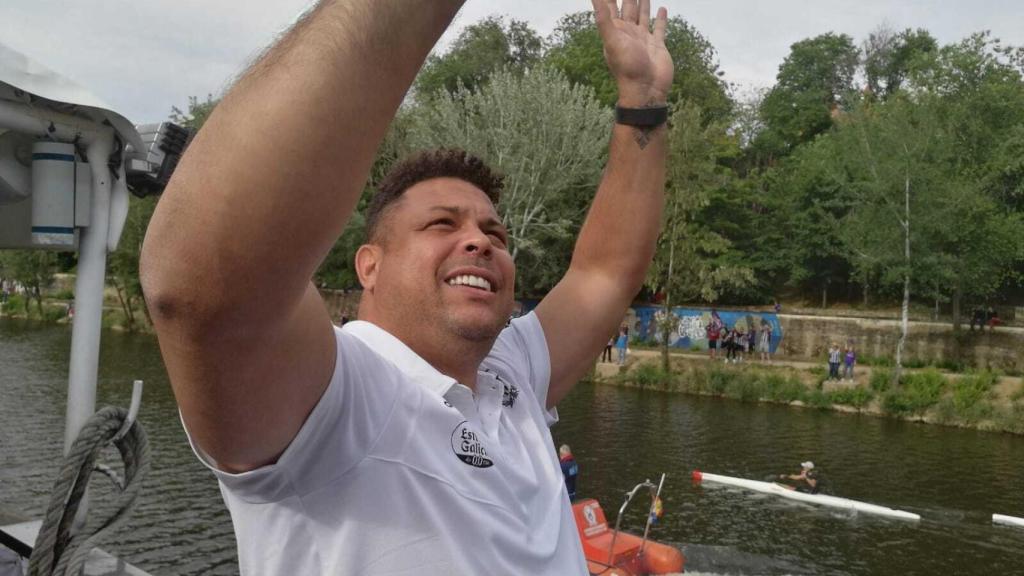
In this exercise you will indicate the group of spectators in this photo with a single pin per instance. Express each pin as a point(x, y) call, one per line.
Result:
point(847, 358)
point(982, 317)
point(738, 340)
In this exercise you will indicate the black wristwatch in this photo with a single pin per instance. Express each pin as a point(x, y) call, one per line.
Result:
point(646, 117)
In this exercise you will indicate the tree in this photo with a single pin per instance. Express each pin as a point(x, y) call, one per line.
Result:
point(895, 163)
point(690, 260)
point(33, 269)
point(889, 57)
point(548, 137)
point(814, 83)
point(481, 50)
point(123, 264)
point(197, 113)
point(575, 48)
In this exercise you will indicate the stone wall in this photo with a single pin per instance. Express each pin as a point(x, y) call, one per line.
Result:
point(810, 336)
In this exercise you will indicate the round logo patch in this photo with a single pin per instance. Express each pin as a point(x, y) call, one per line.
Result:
point(467, 446)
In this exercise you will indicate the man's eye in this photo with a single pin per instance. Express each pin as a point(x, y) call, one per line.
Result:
point(498, 237)
point(444, 222)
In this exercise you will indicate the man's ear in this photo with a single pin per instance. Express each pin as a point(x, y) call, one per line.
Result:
point(368, 259)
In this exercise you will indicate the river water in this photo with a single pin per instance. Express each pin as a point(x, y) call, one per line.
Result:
point(955, 479)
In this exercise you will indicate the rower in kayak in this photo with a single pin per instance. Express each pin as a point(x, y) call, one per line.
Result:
point(807, 479)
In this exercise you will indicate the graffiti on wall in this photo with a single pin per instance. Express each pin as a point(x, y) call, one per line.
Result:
point(691, 324)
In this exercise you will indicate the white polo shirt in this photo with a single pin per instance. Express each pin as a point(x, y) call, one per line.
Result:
point(400, 470)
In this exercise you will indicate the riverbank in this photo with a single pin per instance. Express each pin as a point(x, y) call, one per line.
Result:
point(982, 400)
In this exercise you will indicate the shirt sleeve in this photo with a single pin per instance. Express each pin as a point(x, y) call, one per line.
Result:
point(520, 354)
point(337, 434)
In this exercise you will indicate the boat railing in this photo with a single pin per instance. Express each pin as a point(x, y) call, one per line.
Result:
point(655, 491)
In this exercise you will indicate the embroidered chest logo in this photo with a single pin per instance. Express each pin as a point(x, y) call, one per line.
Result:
point(510, 395)
point(467, 447)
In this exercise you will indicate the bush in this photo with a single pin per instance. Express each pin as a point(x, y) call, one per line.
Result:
point(884, 361)
point(63, 295)
point(971, 389)
point(16, 304)
point(649, 375)
point(817, 399)
point(718, 380)
point(916, 393)
point(783, 389)
point(857, 396)
point(744, 386)
point(881, 380)
point(54, 313)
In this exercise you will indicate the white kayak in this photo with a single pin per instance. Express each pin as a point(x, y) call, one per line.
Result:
point(1008, 520)
point(821, 499)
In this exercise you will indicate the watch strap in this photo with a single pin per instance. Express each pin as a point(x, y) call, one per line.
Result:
point(646, 117)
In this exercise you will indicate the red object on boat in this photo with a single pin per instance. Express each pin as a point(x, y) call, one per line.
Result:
point(626, 558)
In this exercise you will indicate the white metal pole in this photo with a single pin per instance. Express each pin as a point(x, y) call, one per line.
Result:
point(89, 284)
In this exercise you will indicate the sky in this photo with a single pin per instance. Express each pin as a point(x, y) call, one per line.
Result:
point(145, 56)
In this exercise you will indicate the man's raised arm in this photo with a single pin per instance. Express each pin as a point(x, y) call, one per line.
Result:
point(617, 241)
point(257, 202)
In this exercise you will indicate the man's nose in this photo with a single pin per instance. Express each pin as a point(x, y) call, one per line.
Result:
point(477, 243)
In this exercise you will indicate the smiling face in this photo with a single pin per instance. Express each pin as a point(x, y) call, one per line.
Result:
point(440, 268)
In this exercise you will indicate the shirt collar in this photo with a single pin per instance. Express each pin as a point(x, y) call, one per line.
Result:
point(409, 362)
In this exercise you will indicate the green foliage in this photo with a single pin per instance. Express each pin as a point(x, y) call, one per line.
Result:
point(881, 380)
point(33, 269)
point(550, 140)
point(817, 399)
point(814, 79)
point(197, 113)
point(779, 388)
point(650, 375)
point(480, 51)
point(971, 389)
point(917, 392)
point(856, 396)
point(16, 304)
point(718, 380)
point(889, 58)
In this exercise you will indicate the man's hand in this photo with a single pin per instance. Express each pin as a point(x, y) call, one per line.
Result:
point(637, 58)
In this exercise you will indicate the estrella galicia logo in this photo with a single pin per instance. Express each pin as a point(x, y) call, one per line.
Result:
point(467, 446)
point(510, 395)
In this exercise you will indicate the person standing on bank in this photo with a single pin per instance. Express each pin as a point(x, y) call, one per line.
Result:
point(415, 439)
point(570, 470)
point(621, 344)
point(849, 361)
point(833, 362)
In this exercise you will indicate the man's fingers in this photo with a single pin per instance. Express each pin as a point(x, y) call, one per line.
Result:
point(613, 8)
point(602, 15)
point(630, 11)
point(661, 24)
point(645, 14)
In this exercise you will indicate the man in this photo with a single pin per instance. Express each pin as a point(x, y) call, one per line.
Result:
point(414, 440)
point(807, 479)
point(714, 330)
point(570, 470)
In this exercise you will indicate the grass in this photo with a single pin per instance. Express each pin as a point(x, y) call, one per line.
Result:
point(968, 400)
point(917, 393)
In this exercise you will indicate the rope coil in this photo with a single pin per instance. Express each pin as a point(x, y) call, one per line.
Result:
point(58, 551)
